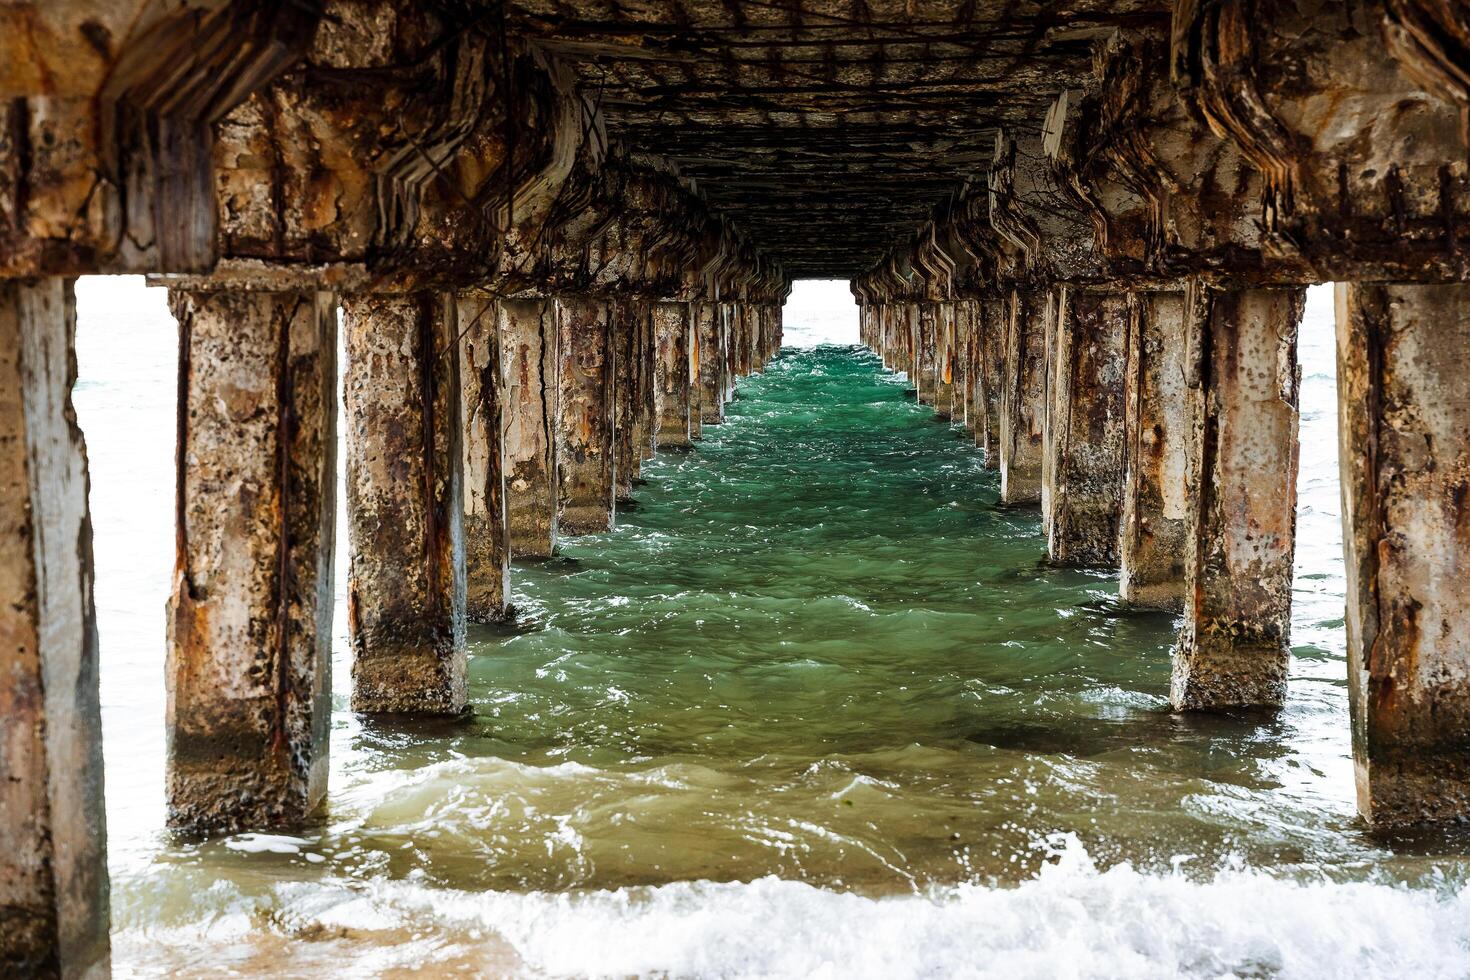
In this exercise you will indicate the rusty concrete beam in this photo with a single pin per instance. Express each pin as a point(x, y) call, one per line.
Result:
point(53, 831)
point(586, 419)
point(1402, 351)
point(530, 347)
point(405, 504)
point(250, 618)
point(483, 390)
point(1232, 649)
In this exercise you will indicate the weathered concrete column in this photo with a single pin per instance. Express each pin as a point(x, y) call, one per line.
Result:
point(1021, 398)
point(1085, 474)
point(627, 423)
point(405, 504)
point(250, 619)
point(744, 353)
point(671, 325)
point(585, 466)
point(758, 328)
point(696, 399)
point(486, 521)
point(1160, 410)
point(528, 345)
point(709, 325)
point(1232, 650)
point(884, 315)
point(944, 361)
point(926, 352)
point(963, 315)
point(1404, 398)
point(730, 329)
point(647, 381)
point(53, 833)
point(988, 340)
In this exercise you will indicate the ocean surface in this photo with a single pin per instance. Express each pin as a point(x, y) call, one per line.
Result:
point(815, 709)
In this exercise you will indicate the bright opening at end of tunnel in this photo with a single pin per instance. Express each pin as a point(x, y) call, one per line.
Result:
point(820, 311)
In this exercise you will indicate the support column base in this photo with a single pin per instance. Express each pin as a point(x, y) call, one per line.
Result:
point(1415, 785)
point(1215, 669)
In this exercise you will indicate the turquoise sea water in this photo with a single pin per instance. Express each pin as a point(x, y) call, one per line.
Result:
point(816, 708)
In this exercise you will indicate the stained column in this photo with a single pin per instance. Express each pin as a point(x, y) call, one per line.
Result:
point(1232, 650)
point(528, 344)
point(671, 326)
point(250, 618)
point(486, 526)
point(944, 362)
point(628, 425)
point(990, 333)
point(926, 352)
point(53, 835)
point(1021, 397)
point(405, 504)
point(1160, 411)
point(1404, 399)
point(585, 465)
point(708, 323)
point(962, 314)
point(696, 366)
point(1085, 448)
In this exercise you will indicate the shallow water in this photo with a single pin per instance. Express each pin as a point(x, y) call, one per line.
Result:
point(815, 708)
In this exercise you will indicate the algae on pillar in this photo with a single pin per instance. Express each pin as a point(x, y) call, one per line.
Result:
point(1405, 449)
point(1160, 411)
point(1232, 650)
point(585, 451)
point(405, 504)
point(1085, 445)
point(486, 526)
point(250, 618)
point(671, 326)
point(54, 914)
point(1021, 397)
point(528, 344)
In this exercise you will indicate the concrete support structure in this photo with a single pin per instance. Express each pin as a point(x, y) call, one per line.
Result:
point(54, 913)
point(1405, 448)
point(944, 363)
point(709, 326)
point(989, 337)
point(1022, 396)
point(1232, 650)
point(486, 524)
point(1086, 435)
point(585, 450)
point(926, 352)
point(1161, 411)
point(672, 327)
point(250, 618)
point(528, 343)
point(405, 504)
point(629, 427)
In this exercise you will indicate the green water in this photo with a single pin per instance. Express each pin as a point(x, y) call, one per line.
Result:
point(816, 649)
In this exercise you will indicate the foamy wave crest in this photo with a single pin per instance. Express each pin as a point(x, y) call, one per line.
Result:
point(1070, 921)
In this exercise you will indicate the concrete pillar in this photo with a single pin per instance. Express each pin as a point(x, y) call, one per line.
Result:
point(585, 471)
point(1086, 442)
point(926, 352)
point(730, 331)
point(628, 425)
point(1160, 414)
point(696, 400)
point(53, 833)
point(405, 504)
point(671, 326)
point(1405, 453)
point(990, 332)
point(1232, 650)
point(883, 312)
point(963, 313)
point(758, 327)
point(486, 521)
point(709, 325)
point(1021, 397)
point(250, 618)
point(647, 380)
point(528, 345)
point(944, 362)
point(746, 333)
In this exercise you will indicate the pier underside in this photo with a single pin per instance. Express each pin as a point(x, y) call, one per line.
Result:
point(558, 234)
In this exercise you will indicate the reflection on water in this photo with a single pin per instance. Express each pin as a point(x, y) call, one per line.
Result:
point(815, 708)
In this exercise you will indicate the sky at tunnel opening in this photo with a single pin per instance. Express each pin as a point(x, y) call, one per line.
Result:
point(820, 311)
